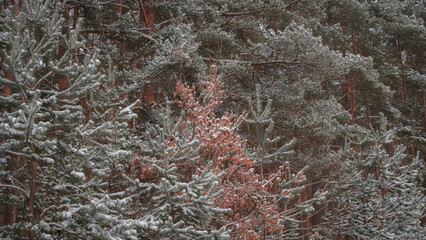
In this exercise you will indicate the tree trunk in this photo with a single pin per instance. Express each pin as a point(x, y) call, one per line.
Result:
point(148, 94)
point(424, 110)
point(16, 7)
point(9, 214)
point(32, 197)
point(120, 8)
point(62, 81)
point(404, 79)
point(146, 15)
point(6, 88)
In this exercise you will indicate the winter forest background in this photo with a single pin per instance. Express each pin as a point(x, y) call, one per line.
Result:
point(221, 119)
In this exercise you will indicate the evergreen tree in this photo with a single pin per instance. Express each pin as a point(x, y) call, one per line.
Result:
point(260, 206)
point(178, 202)
point(72, 74)
point(290, 201)
point(262, 121)
point(379, 193)
point(59, 140)
point(399, 30)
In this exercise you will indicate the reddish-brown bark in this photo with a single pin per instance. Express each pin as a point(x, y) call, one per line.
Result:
point(62, 81)
point(16, 6)
point(146, 15)
point(6, 88)
point(31, 200)
point(148, 94)
point(120, 7)
point(424, 110)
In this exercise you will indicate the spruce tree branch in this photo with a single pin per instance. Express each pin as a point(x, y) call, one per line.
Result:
point(86, 138)
point(255, 64)
point(56, 208)
point(366, 117)
point(62, 228)
point(17, 153)
point(16, 188)
point(237, 14)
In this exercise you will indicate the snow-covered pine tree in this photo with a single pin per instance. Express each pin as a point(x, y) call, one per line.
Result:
point(280, 196)
point(176, 197)
point(378, 193)
point(398, 32)
point(261, 120)
point(123, 31)
point(60, 143)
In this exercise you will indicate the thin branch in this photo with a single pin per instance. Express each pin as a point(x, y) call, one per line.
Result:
point(237, 14)
point(56, 208)
point(255, 64)
point(14, 187)
point(18, 154)
point(291, 4)
point(41, 79)
point(63, 228)
point(359, 118)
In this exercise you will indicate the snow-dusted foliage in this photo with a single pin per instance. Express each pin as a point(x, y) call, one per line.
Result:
point(281, 203)
point(279, 140)
point(176, 192)
point(379, 193)
point(260, 118)
point(61, 130)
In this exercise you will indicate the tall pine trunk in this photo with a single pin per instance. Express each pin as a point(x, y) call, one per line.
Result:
point(31, 217)
point(424, 110)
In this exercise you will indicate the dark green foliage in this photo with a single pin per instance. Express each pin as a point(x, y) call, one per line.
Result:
point(82, 81)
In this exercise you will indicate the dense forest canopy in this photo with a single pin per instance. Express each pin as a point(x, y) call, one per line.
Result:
point(221, 119)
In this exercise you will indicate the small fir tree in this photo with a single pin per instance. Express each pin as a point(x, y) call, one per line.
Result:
point(177, 203)
point(281, 192)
